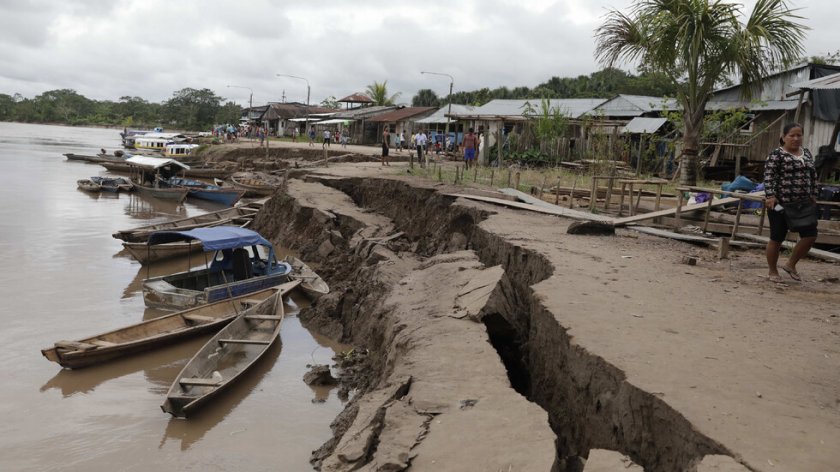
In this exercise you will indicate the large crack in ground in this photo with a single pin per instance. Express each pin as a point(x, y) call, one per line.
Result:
point(409, 267)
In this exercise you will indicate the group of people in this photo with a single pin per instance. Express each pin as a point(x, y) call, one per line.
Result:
point(328, 137)
point(423, 144)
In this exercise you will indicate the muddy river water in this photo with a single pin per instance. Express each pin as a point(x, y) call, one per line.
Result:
point(62, 276)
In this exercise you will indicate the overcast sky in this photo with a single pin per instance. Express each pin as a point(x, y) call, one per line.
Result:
point(150, 48)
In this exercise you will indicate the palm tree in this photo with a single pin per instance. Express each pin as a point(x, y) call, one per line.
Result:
point(379, 93)
point(697, 43)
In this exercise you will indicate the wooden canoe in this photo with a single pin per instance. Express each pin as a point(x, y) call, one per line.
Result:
point(311, 282)
point(200, 172)
point(253, 185)
point(156, 332)
point(145, 254)
point(226, 356)
point(166, 193)
point(236, 216)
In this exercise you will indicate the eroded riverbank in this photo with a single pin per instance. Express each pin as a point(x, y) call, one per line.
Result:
point(600, 342)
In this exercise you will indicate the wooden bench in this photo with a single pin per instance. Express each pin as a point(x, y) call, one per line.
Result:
point(243, 341)
point(200, 382)
point(198, 318)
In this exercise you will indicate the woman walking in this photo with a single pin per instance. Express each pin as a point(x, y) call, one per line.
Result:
point(790, 184)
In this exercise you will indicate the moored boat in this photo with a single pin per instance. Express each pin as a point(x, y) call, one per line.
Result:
point(204, 191)
point(225, 357)
point(311, 282)
point(88, 185)
point(150, 172)
point(113, 184)
point(156, 332)
point(148, 254)
point(243, 262)
point(256, 184)
point(236, 216)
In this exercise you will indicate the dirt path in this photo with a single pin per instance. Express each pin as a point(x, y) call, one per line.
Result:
point(623, 346)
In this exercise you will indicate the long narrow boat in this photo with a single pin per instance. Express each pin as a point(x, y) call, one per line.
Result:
point(156, 332)
point(146, 254)
point(255, 184)
point(164, 193)
point(236, 216)
point(311, 282)
point(225, 357)
point(199, 172)
point(88, 185)
point(204, 191)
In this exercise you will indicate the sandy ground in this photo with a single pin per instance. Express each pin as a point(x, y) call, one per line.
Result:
point(751, 365)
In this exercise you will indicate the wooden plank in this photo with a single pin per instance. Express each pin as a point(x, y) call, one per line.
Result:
point(545, 207)
point(198, 318)
point(201, 382)
point(74, 345)
point(244, 341)
point(264, 317)
point(102, 343)
point(672, 211)
point(815, 253)
point(689, 238)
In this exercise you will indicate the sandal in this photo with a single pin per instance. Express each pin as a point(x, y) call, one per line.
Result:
point(792, 273)
point(776, 279)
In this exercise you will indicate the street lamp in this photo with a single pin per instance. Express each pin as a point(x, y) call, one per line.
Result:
point(307, 97)
point(451, 83)
point(250, 98)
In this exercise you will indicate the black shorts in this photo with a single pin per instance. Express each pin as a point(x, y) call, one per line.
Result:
point(384, 150)
point(779, 227)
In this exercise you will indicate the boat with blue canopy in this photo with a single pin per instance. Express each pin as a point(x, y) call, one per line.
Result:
point(242, 262)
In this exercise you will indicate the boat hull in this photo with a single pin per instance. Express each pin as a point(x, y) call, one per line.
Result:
point(145, 254)
point(225, 357)
point(216, 218)
point(224, 196)
point(173, 194)
point(158, 292)
point(152, 333)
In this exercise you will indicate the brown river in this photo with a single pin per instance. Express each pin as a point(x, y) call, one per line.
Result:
point(63, 277)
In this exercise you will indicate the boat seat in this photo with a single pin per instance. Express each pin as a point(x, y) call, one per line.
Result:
point(102, 343)
point(198, 318)
point(197, 381)
point(243, 341)
point(241, 264)
point(263, 317)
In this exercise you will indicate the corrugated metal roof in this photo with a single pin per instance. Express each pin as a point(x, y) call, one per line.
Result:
point(645, 125)
point(635, 105)
point(153, 162)
point(362, 112)
point(571, 107)
point(766, 105)
point(356, 98)
point(829, 82)
point(401, 114)
point(440, 115)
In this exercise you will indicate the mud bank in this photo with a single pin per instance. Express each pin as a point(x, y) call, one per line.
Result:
point(485, 327)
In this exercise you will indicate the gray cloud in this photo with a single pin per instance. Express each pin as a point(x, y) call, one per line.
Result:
point(151, 48)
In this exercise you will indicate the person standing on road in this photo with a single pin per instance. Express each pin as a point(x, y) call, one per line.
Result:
point(420, 142)
point(396, 140)
point(386, 137)
point(326, 143)
point(470, 146)
point(789, 177)
point(311, 137)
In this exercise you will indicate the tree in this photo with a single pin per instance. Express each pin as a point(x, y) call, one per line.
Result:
point(697, 43)
point(425, 98)
point(193, 109)
point(330, 102)
point(379, 94)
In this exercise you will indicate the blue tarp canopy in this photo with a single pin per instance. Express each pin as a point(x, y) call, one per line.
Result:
point(213, 239)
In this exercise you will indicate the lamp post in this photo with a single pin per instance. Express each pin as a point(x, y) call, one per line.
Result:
point(451, 83)
point(250, 98)
point(306, 130)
